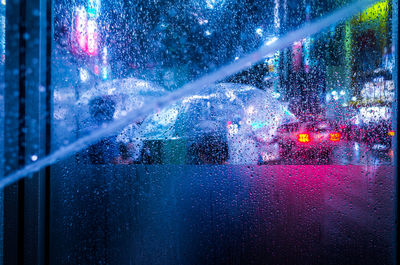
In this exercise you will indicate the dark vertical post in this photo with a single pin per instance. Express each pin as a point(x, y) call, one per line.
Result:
point(12, 132)
point(27, 111)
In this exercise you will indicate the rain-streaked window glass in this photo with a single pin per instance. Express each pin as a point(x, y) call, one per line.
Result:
point(222, 132)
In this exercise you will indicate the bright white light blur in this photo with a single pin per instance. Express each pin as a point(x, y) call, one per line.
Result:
point(269, 157)
point(105, 52)
point(236, 58)
point(250, 110)
point(374, 114)
point(92, 37)
point(142, 83)
point(104, 72)
point(34, 157)
point(356, 146)
point(211, 4)
point(334, 92)
point(272, 40)
point(342, 92)
point(166, 116)
point(276, 95)
point(202, 21)
point(259, 31)
point(277, 21)
point(83, 74)
point(354, 98)
point(328, 97)
point(335, 97)
point(344, 105)
point(111, 90)
point(208, 33)
point(229, 94)
point(233, 129)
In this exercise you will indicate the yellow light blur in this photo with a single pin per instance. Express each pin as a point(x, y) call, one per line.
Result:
point(378, 10)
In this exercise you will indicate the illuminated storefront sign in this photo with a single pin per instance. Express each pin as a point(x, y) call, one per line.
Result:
point(92, 35)
point(378, 10)
point(378, 89)
point(81, 28)
point(85, 32)
point(373, 114)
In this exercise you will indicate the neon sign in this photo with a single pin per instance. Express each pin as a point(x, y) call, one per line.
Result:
point(80, 28)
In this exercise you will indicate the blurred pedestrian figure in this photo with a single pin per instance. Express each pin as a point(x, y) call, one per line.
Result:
point(105, 151)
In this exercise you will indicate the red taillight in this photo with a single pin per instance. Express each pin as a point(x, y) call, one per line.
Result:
point(334, 137)
point(391, 133)
point(304, 138)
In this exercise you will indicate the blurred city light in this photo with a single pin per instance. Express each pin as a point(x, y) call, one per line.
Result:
point(81, 28)
point(334, 137)
point(104, 73)
point(328, 97)
point(93, 8)
point(83, 74)
point(272, 40)
point(304, 138)
point(276, 95)
point(211, 4)
point(92, 35)
point(259, 31)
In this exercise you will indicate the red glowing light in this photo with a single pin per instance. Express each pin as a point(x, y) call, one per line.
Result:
point(96, 69)
point(334, 137)
point(304, 138)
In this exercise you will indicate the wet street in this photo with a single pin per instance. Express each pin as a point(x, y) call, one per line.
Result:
point(291, 214)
